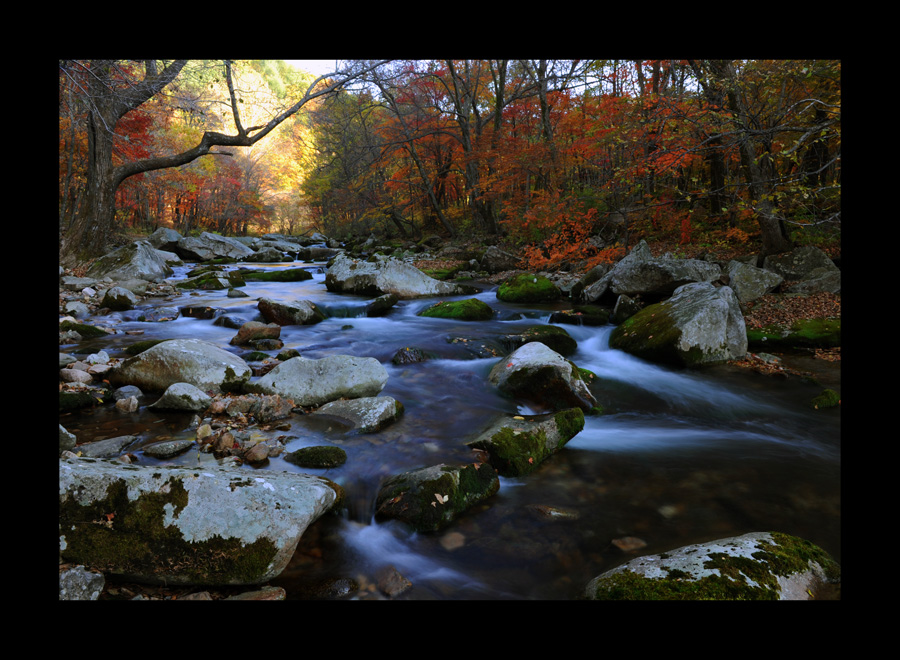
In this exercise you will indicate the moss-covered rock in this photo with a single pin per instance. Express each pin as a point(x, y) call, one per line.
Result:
point(552, 336)
point(460, 310)
point(582, 315)
point(86, 331)
point(430, 498)
point(701, 324)
point(757, 566)
point(177, 525)
point(517, 446)
point(278, 275)
point(827, 399)
point(322, 457)
point(528, 288)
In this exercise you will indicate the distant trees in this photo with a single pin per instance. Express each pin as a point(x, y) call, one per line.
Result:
point(565, 157)
point(106, 92)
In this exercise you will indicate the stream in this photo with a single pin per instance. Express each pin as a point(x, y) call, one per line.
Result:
point(678, 457)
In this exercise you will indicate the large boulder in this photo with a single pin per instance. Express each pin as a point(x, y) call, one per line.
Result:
point(756, 566)
point(428, 499)
point(517, 446)
point(543, 378)
point(316, 382)
point(137, 260)
point(528, 288)
point(165, 239)
point(701, 324)
point(375, 278)
point(192, 361)
point(639, 273)
point(211, 246)
point(179, 525)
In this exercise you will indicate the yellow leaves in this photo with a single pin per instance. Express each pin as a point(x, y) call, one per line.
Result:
point(441, 499)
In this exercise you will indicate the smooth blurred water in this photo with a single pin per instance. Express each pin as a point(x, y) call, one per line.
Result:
point(678, 457)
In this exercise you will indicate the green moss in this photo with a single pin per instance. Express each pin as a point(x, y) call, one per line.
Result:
point(528, 288)
point(116, 535)
point(786, 555)
point(827, 399)
point(460, 310)
point(83, 329)
point(285, 275)
point(652, 334)
point(804, 333)
point(570, 423)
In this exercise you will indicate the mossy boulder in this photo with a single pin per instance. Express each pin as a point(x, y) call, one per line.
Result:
point(428, 499)
point(277, 275)
point(552, 336)
point(319, 457)
point(756, 566)
point(85, 330)
point(827, 399)
point(460, 310)
point(178, 525)
point(517, 446)
point(700, 324)
point(803, 333)
point(528, 288)
point(582, 315)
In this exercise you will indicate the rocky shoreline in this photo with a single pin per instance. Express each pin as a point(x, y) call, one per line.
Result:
point(214, 385)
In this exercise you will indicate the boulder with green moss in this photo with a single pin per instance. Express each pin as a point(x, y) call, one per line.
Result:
point(756, 566)
point(180, 525)
point(277, 275)
point(528, 288)
point(552, 336)
point(428, 499)
point(517, 446)
point(700, 324)
point(460, 310)
point(299, 312)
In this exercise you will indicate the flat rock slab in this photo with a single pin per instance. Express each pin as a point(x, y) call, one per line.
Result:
point(178, 525)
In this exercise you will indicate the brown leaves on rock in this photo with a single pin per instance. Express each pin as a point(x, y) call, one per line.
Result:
point(784, 309)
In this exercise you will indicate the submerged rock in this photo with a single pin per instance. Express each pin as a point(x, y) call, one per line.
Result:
point(175, 525)
point(756, 566)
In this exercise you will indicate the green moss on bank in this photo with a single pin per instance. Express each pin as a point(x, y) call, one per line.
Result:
point(460, 310)
point(804, 333)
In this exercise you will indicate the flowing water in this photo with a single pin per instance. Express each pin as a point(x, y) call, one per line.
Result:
point(679, 457)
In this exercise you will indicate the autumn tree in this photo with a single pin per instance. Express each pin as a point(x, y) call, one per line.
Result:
point(111, 90)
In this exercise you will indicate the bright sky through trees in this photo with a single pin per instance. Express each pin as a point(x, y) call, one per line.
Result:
point(315, 67)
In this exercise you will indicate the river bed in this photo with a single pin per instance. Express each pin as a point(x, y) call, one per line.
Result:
point(678, 457)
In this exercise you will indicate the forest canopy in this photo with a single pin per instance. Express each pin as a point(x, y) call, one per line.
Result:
point(563, 158)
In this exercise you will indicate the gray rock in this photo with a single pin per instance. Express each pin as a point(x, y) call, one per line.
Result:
point(799, 264)
point(749, 282)
point(183, 396)
point(168, 448)
point(164, 239)
point(119, 298)
point(366, 414)
point(137, 260)
point(316, 382)
point(79, 583)
point(225, 526)
point(66, 439)
point(211, 246)
point(193, 361)
point(347, 275)
point(756, 566)
point(105, 448)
